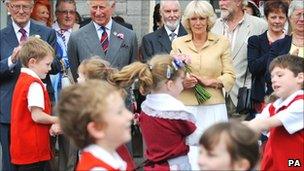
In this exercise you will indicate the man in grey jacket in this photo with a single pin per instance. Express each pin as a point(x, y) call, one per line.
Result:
point(238, 27)
point(103, 37)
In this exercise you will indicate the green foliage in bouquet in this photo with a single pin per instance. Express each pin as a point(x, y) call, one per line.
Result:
point(201, 93)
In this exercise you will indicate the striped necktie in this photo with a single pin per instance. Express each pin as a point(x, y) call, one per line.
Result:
point(104, 40)
point(23, 35)
point(61, 33)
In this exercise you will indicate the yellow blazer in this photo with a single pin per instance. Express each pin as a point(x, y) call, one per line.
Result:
point(213, 61)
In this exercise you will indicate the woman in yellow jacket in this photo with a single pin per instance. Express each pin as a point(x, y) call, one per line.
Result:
point(211, 65)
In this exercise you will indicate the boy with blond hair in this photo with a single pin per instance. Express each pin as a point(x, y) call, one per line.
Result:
point(31, 109)
point(284, 117)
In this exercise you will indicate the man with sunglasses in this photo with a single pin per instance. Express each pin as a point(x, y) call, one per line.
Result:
point(15, 33)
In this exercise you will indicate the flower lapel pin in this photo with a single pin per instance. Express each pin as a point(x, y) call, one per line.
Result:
point(37, 36)
point(119, 35)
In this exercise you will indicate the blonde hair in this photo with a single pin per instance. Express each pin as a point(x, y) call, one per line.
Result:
point(95, 68)
point(151, 76)
point(34, 48)
point(200, 8)
point(80, 104)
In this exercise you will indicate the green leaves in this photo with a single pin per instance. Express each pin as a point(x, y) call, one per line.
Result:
point(201, 93)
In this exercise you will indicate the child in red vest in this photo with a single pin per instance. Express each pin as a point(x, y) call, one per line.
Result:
point(284, 118)
point(31, 109)
point(94, 116)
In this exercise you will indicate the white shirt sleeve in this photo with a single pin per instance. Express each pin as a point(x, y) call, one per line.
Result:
point(264, 114)
point(35, 96)
point(292, 117)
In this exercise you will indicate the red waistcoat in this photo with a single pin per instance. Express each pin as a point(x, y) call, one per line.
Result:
point(30, 141)
point(283, 148)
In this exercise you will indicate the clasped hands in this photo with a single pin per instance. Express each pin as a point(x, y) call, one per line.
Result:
point(191, 80)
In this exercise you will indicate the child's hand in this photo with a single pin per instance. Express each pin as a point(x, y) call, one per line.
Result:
point(254, 125)
point(55, 129)
point(15, 54)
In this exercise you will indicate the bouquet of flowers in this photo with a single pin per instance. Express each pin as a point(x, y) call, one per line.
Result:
point(201, 93)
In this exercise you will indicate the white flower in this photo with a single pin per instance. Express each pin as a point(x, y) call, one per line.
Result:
point(119, 35)
point(37, 36)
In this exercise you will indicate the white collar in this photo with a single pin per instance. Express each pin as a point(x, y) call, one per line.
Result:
point(280, 102)
point(169, 31)
point(114, 160)
point(155, 105)
point(56, 27)
point(17, 28)
point(29, 72)
point(107, 26)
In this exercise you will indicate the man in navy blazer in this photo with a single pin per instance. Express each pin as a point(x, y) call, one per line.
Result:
point(10, 65)
point(160, 40)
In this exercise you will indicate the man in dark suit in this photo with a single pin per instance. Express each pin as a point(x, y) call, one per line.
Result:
point(160, 40)
point(18, 30)
point(103, 37)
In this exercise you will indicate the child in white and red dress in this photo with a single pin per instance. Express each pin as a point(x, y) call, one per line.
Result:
point(284, 117)
point(93, 115)
point(164, 121)
point(31, 118)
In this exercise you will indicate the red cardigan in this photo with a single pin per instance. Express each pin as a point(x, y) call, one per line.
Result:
point(165, 139)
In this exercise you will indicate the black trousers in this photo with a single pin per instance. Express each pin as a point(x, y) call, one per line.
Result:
point(5, 145)
point(41, 166)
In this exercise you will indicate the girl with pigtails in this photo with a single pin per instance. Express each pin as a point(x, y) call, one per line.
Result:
point(164, 121)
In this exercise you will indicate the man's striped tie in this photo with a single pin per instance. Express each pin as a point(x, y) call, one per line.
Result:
point(23, 35)
point(104, 40)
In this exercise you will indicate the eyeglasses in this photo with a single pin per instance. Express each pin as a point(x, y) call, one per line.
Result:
point(66, 12)
point(25, 8)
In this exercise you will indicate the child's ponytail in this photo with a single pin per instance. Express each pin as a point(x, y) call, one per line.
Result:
point(128, 74)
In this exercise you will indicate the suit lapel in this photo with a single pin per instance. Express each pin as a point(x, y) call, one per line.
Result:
point(33, 29)
point(242, 33)
point(181, 31)
point(92, 40)
point(10, 37)
point(115, 42)
point(163, 39)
